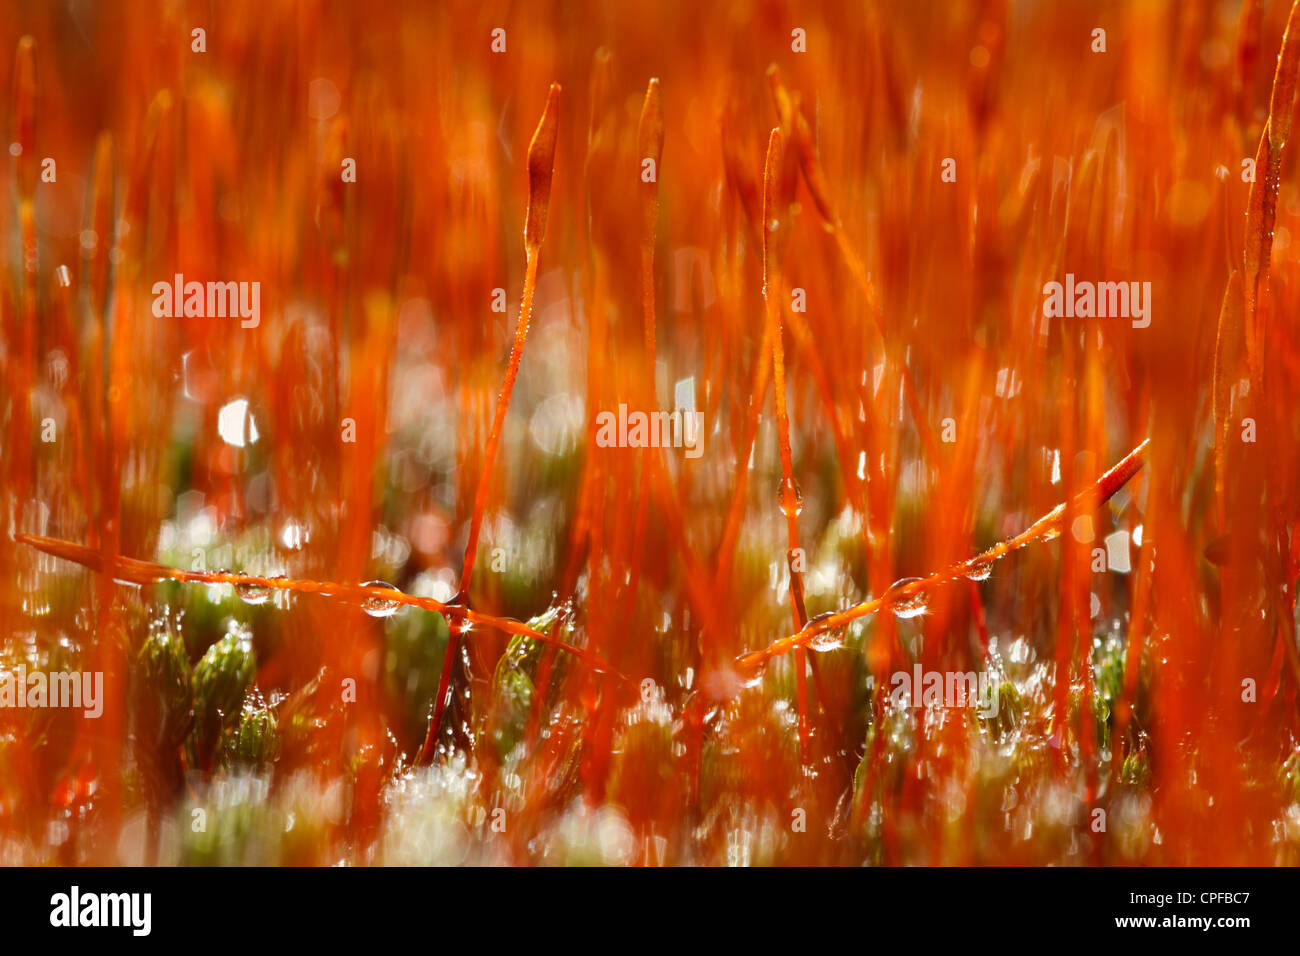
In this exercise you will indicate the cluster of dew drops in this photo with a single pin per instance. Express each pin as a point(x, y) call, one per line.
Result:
point(256, 594)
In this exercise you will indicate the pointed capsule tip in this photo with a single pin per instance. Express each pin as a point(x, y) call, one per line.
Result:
point(541, 162)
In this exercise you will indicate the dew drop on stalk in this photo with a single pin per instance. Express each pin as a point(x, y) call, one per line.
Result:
point(826, 641)
point(253, 594)
point(979, 571)
point(377, 606)
point(217, 589)
point(798, 497)
point(913, 605)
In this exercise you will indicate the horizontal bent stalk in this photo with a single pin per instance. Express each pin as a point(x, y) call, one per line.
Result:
point(133, 571)
point(1043, 528)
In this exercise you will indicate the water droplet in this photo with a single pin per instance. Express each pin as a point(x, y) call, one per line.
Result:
point(253, 594)
point(913, 605)
point(377, 606)
point(979, 571)
point(798, 497)
point(827, 641)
